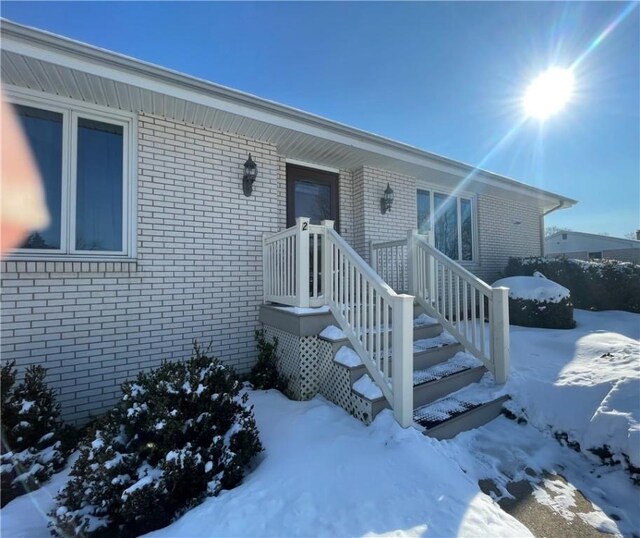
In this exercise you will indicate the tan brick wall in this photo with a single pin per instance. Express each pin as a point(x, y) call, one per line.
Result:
point(197, 273)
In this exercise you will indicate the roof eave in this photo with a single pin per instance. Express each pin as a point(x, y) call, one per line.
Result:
point(57, 49)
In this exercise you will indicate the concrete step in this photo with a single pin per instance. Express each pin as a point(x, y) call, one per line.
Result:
point(437, 381)
point(469, 408)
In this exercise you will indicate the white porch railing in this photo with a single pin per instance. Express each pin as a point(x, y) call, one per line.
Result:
point(471, 310)
point(288, 278)
point(363, 304)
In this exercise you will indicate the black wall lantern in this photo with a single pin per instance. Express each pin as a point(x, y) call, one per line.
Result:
point(387, 200)
point(250, 174)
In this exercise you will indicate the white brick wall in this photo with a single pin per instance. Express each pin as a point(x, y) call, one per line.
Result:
point(498, 236)
point(197, 274)
point(506, 228)
point(369, 186)
point(198, 270)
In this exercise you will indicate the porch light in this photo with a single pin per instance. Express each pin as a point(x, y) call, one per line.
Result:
point(387, 200)
point(250, 174)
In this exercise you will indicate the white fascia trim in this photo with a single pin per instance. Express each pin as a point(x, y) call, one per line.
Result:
point(312, 165)
point(75, 55)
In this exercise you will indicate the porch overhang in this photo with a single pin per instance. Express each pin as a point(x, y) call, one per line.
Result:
point(42, 62)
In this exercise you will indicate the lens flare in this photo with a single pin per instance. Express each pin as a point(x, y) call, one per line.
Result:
point(548, 93)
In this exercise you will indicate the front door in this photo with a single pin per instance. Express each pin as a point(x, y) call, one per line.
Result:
point(311, 193)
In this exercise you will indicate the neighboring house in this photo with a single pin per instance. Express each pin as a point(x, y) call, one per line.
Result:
point(154, 242)
point(584, 246)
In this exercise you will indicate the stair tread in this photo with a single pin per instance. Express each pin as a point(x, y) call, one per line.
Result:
point(458, 403)
point(443, 339)
point(425, 321)
point(460, 362)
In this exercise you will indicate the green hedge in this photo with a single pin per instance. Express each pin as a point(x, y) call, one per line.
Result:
point(543, 314)
point(597, 285)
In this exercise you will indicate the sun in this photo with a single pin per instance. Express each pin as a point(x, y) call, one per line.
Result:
point(548, 93)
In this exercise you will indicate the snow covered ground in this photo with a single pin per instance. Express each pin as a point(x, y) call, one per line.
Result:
point(323, 473)
point(583, 381)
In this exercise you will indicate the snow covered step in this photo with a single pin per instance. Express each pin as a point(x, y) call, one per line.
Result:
point(431, 351)
point(442, 379)
point(470, 407)
point(369, 397)
point(425, 327)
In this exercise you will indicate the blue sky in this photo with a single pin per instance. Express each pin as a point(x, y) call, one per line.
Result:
point(446, 77)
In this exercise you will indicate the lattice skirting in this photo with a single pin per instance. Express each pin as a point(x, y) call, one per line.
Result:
point(308, 363)
point(297, 360)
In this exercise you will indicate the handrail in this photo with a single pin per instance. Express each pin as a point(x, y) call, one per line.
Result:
point(460, 301)
point(363, 304)
point(366, 308)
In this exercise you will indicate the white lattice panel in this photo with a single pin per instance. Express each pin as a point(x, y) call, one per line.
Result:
point(309, 364)
point(297, 360)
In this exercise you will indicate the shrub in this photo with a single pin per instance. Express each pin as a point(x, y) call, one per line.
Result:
point(542, 314)
point(179, 433)
point(597, 285)
point(265, 375)
point(33, 437)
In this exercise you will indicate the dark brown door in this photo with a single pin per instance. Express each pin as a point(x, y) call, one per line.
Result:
point(311, 193)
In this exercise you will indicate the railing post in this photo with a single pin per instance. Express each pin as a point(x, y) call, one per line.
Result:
point(500, 333)
point(373, 259)
point(412, 267)
point(327, 263)
point(402, 346)
point(302, 262)
point(431, 270)
point(266, 277)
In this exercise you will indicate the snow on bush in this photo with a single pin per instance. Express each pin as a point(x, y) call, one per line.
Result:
point(535, 301)
point(180, 432)
point(594, 285)
point(32, 433)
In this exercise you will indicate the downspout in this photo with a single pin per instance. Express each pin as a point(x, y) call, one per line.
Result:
point(559, 206)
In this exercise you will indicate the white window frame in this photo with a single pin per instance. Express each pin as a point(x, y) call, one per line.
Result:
point(472, 198)
point(71, 110)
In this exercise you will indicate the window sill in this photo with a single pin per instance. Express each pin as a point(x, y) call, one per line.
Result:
point(58, 264)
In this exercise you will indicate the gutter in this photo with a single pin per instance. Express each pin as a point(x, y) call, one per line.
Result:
point(561, 205)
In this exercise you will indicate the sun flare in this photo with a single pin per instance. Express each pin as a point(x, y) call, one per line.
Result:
point(548, 93)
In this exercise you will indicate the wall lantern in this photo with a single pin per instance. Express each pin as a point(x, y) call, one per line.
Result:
point(386, 200)
point(250, 174)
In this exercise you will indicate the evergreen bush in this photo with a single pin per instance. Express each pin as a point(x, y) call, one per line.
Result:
point(265, 374)
point(34, 440)
point(594, 285)
point(542, 314)
point(179, 433)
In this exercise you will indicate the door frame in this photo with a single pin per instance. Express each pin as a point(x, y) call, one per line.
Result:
point(330, 179)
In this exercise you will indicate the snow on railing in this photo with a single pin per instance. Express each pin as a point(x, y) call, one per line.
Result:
point(363, 304)
point(460, 301)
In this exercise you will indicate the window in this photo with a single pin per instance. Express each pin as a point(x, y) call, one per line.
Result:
point(83, 158)
point(451, 219)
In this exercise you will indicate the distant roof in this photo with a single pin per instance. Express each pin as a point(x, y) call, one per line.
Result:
point(620, 240)
point(42, 61)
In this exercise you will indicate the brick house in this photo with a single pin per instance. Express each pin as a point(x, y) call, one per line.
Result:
point(154, 243)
